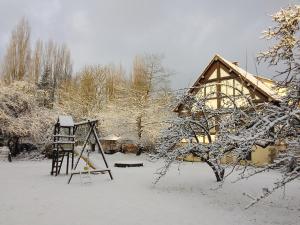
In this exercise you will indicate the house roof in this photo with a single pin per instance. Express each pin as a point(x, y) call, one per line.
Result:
point(256, 81)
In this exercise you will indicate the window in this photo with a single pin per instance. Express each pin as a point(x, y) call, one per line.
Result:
point(227, 87)
point(227, 103)
point(246, 91)
point(212, 103)
point(257, 98)
point(249, 156)
point(211, 90)
point(201, 93)
point(241, 101)
point(238, 87)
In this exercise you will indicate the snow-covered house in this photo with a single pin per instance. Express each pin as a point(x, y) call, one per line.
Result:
point(236, 80)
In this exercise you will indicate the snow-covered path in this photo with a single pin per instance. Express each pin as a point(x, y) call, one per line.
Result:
point(29, 196)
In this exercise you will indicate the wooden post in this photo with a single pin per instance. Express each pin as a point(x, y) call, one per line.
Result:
point(68, 158)
point(101, 151)
point(84, 145)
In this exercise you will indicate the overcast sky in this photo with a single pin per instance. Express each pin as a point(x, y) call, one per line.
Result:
point(187, 33)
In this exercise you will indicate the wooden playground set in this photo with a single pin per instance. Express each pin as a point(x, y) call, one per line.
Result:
point(64, 142)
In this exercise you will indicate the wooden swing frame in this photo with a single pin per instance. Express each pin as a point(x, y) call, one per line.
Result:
point(92, 131)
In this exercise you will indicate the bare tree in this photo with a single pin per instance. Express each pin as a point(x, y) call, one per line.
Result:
point(114, 81)
point(149, 79)
point(240, 129)
point(56, 63)
point(36, 63)
point(282, 121)
point(149, 74)
point(200, 129)
point(17, 57)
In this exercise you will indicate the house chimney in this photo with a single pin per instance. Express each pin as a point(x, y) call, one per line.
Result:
point(235, 63)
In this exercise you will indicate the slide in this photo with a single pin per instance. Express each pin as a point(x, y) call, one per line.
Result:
point(86, 159)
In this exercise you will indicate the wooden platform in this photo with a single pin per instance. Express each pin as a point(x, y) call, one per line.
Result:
point(128, 164)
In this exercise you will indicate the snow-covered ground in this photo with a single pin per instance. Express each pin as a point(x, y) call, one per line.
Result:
point(29, 196)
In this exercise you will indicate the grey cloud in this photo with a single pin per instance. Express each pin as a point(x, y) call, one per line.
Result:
point(188, 33)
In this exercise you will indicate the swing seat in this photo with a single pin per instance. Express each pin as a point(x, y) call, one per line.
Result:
point(93, 171)
point(86, 168)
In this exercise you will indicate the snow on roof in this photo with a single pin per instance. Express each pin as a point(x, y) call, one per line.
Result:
point(110, 137)
point(65, 121)
point(265, 79)
point(250, 78)
point(256, 81)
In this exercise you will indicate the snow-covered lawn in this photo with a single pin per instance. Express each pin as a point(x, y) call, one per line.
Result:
point(29, 196)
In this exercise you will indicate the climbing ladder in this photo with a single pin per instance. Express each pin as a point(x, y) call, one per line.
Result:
point(63, 144)
point(5, 154)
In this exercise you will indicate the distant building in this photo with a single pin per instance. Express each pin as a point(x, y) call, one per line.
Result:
point(112, 144)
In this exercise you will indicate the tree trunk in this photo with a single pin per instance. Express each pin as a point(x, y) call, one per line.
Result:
point(139, 126)
point(219, 173)
point(13, 145)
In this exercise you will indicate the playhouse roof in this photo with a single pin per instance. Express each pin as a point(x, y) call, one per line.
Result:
point(65, 121)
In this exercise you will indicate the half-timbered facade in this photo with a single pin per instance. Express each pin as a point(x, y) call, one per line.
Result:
point(223, 79)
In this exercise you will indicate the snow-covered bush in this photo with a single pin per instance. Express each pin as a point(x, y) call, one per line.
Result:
point(21, 117)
